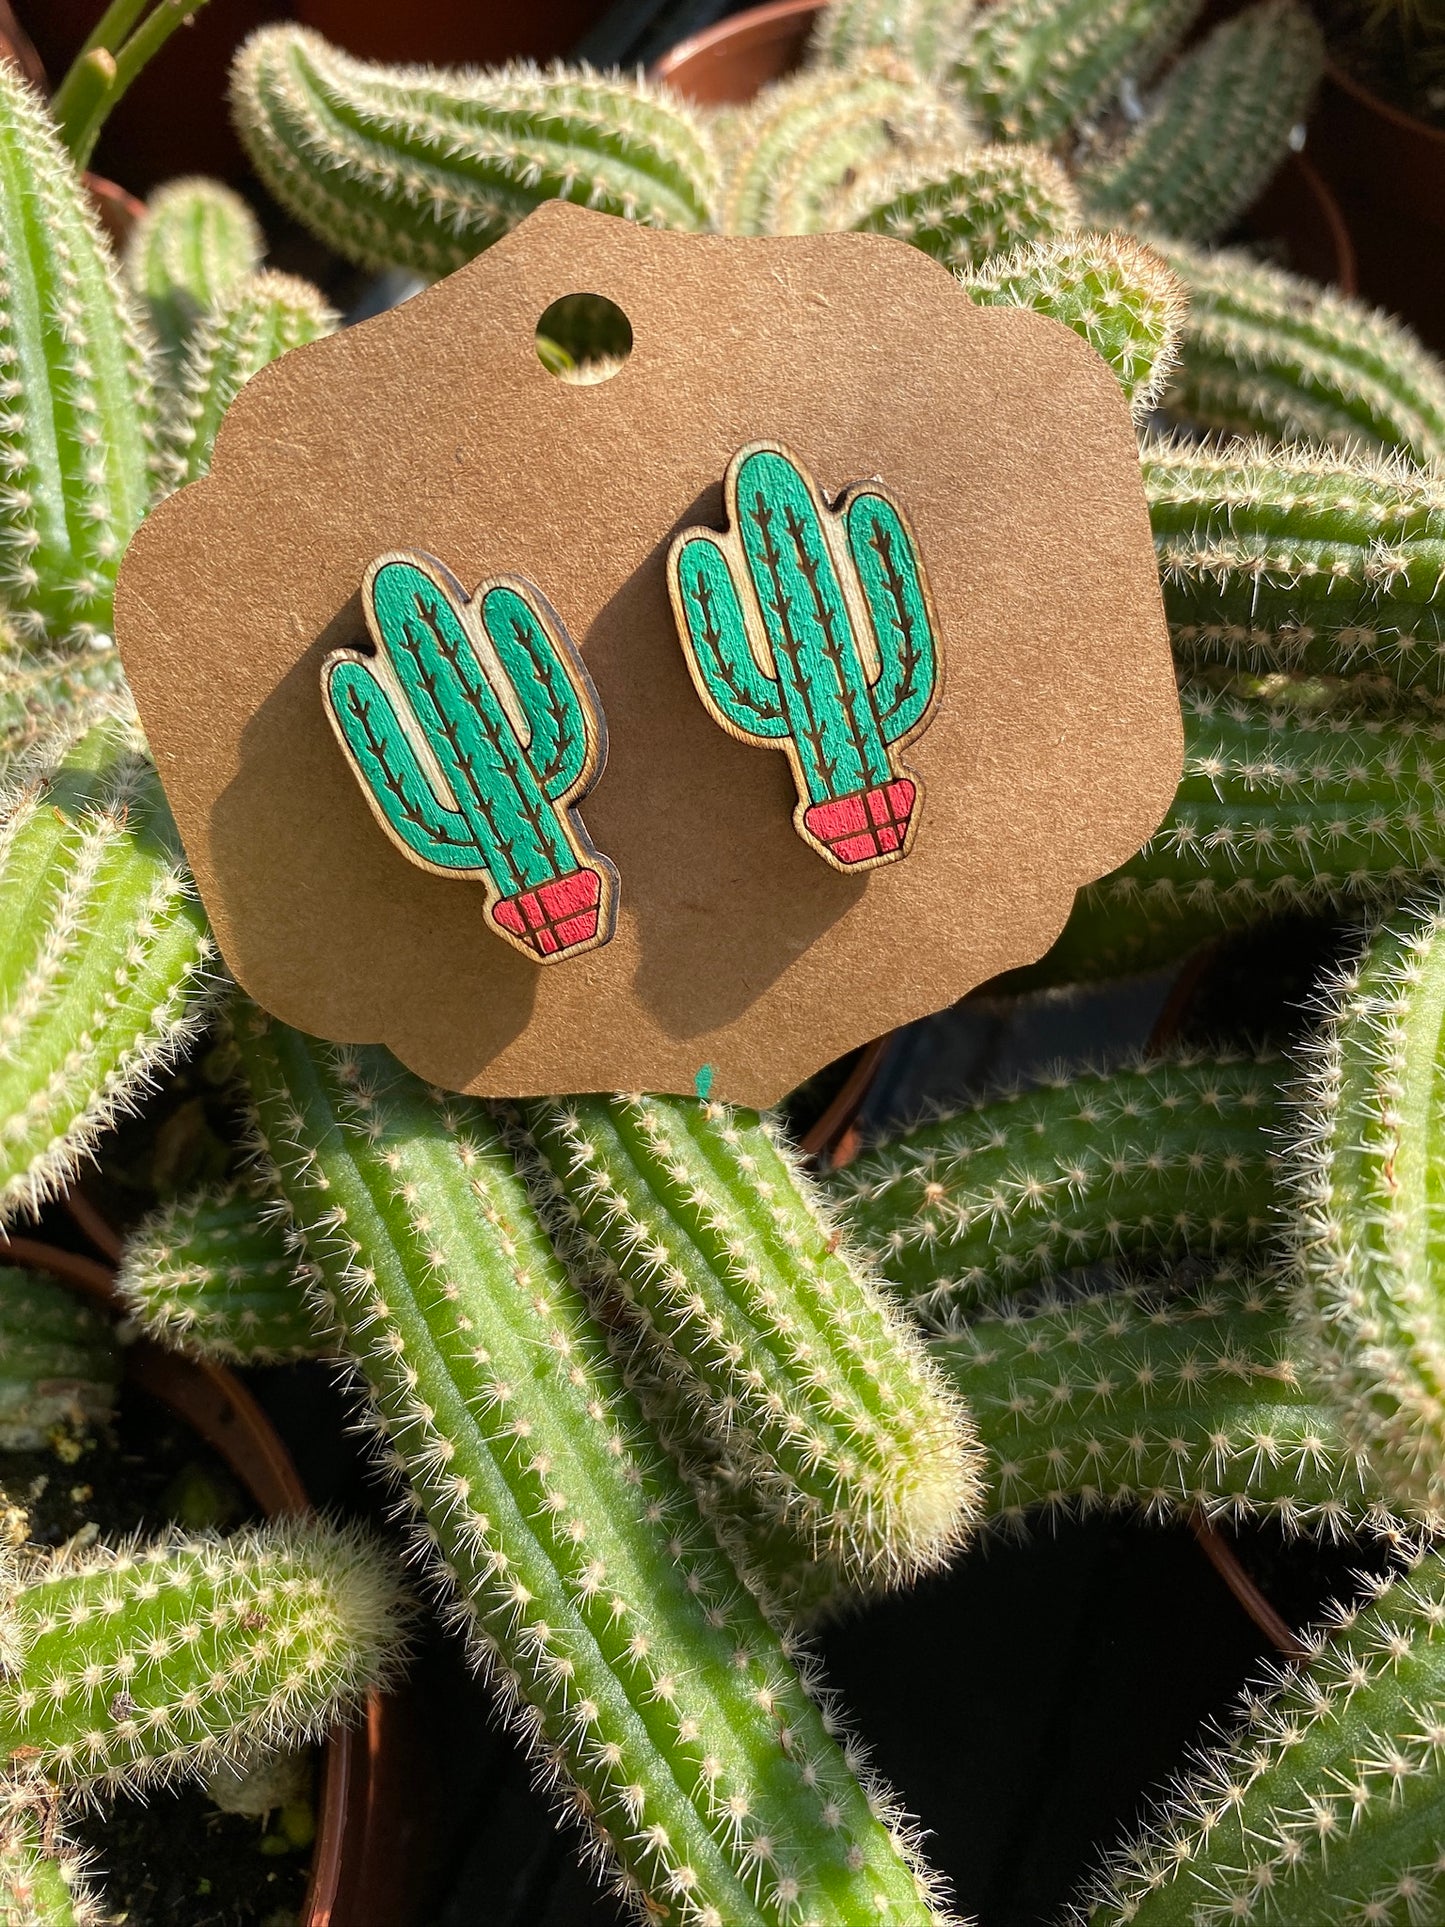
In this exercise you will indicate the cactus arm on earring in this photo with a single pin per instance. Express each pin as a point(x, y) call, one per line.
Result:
point(1034, 69)
point(1295, 797)
point(540, 674)
point(190, 250)
point(59, 1364)
point(128, 1668)
point(962, 207)
point(697, 1218)
point(1280, 559)
point(645, 1680)
point(1369, 1211)
point(885, 557)
point(1166, 1402)
point(747, 701)
point(263, 317)
point(421, 168)
point(106, 960)
point(213, 1274)
point(1119, 295)
point(75, 428)
point(1158, 1158)
point(1269, 353)
point(1218, 129)
point(1326, 1802)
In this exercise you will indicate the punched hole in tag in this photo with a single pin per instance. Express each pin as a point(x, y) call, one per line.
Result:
point(583, 339)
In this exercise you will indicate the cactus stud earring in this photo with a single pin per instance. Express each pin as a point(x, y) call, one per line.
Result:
point(808, 627)
point(474, 732)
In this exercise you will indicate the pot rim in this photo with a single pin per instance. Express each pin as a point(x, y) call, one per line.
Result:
point(1373, 103)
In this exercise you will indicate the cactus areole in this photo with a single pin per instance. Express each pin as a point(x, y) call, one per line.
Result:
point(761, 532)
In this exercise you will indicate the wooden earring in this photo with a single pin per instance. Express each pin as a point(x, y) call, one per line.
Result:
point(808, 627)
point(475, 731)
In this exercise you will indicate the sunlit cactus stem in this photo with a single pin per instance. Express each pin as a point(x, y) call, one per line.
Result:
point(838, 700)
point(132, 1666)
point(962, 205)
point(1151, 1159)
point(699, 1219)
point(59, 1364)
point(516, 731)
point(190, 250)
point(657, 1701)
point(1327, 1803)
point(44, 1878)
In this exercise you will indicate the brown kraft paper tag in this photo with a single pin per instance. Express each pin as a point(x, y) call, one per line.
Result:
point(742, 962)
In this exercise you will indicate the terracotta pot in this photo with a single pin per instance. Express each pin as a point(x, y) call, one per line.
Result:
point(1388, 171)
point(118, 210)
point(365, 1856)
point(731, 61)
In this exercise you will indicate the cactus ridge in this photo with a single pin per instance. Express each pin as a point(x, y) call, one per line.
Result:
point(58, 1361)
point(1296, 796)
point(493, 692)
point(1034, 69)
point(838, 681)
point(106, 962)
point(1194, 1400)
point(1368, 1214)
point(261, 317)
point(212, 1273)
point(657, 1702)
point(1325, 1802)
point(928, 34)
point(128, 1667)
point(1155, 1157)
point(42, 692)
point(419, 168)
point(190, 250)
point(962, 207)
point(1218, 128)
point(1269, 353)
point(1110, 289)
point(1299, 559)
point(799, 146)
point(45, 1879)
point(700, 1219)
point(75, 430)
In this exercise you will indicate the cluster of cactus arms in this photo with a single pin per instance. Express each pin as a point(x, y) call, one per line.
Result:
point(59, 1365)
point(192, 248)
point(515, 729)
point(837, 702)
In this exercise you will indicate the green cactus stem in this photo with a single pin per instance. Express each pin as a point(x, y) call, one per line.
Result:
point(1296, 796)
point(1166, 1401)
point(653, 1694)
point(699, 1218)
point(1034, 69)
point(516, 732)
point(1155, 1158)
point(1370, 1293)
point(1299, 559)
point(1325, 1804)
point(802, 143)
point(418, 168)
point(124, 41)
point(192, 248)
point(1218, 129)
point(106, 962)
point(1268, 353)
point(928, 34)
point(264, 315)
point(838, 703)
point(1113, 291)
point(59, 1365)
point(213, 1274)
point(74, 402)
point(44, 1878)
point(127, 1668)
point(963, 207)
point(41, 691)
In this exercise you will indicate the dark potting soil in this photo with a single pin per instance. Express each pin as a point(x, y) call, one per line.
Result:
point(172, 1859)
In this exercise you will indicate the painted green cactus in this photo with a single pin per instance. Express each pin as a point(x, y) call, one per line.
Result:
point(485, 699)
point(808, 627)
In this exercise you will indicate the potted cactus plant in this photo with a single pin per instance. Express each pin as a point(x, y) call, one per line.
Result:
point(653, 1402)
